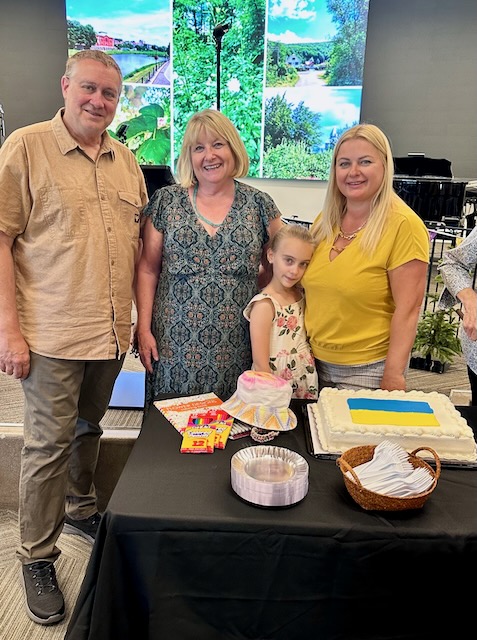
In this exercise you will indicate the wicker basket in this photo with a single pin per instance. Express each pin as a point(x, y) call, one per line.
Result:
point(376, 501)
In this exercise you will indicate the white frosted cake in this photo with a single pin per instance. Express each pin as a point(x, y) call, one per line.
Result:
point(346, 419)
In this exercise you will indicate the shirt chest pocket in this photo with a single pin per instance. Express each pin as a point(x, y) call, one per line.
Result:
point(130, 212)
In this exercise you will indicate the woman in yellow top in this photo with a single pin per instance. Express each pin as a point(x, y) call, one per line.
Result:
point(366, 281)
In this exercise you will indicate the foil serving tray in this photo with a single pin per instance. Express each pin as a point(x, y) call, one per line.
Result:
point(269, 476)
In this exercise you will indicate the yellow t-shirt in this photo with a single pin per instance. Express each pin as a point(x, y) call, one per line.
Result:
point(349, 304)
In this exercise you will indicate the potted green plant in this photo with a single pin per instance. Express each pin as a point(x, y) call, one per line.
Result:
point(436, 343)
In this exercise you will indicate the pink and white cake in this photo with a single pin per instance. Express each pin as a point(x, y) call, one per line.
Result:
point(262, 400)
point(344, 419)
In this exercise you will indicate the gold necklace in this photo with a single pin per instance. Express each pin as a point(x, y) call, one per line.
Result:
point(347, 236)
point(353, 234)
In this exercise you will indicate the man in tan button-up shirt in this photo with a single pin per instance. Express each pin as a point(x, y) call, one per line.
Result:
point(70, 207)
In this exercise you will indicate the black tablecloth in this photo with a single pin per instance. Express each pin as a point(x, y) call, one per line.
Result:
point(179, 556)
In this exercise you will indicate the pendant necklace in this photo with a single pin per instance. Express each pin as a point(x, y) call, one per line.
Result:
point(353, 234)
point(216, 225)
point(347, 236)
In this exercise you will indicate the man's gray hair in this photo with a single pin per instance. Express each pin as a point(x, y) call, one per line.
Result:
point(92, 54)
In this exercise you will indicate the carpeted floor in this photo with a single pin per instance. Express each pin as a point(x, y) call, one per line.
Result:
point(71, 565)
point(454, 378)
point(70, 569)
point(11, 402)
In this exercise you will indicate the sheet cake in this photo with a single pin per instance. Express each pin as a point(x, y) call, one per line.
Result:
point(413, 419)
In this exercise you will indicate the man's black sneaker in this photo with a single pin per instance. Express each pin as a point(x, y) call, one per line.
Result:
point(87, 528)
point(44, 600)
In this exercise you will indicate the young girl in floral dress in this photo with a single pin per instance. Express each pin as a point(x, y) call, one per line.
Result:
point(277, 313)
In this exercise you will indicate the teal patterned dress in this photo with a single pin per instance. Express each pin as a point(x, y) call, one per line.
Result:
point(205, 283)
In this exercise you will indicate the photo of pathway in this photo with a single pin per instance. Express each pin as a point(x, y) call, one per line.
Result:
point(313, 83)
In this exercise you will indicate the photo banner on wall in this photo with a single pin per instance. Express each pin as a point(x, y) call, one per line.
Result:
point(288, 75)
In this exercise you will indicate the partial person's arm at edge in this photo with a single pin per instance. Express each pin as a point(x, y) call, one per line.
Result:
point(147, 276)
point(261, 318)
point(455, 268)
point(468, 297)
point(133, 339)
point(14, 351)
point(408, 285)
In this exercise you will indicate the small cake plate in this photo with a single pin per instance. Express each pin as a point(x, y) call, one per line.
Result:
point(269, 476)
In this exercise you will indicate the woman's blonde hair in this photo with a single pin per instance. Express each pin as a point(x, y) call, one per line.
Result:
point(216, 123)
point(334, 206)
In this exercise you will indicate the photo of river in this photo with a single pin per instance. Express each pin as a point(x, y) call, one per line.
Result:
point(313, 83)
point(129, 62)
point(339, 107)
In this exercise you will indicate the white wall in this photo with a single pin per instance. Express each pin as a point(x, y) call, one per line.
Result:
point(302, 198)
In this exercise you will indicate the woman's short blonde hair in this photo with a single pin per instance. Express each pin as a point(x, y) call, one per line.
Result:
point(216, 123)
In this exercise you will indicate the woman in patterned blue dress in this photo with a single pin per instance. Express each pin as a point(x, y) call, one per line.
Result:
point(203, 242)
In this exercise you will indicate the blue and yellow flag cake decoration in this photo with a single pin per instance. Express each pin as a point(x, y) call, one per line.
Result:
point(404, 413)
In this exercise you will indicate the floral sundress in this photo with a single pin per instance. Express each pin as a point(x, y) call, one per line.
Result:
point(290, 353)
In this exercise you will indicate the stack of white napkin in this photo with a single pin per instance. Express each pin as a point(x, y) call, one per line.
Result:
point(390, 472)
